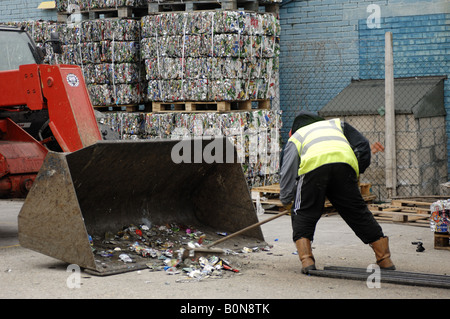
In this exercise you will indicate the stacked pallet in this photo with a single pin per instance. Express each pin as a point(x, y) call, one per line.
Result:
point(126, 8)
point(191, 60)
point(269, 195)
point(413, 211)
point(418, 211)
point(94, 9)
point(440, 223)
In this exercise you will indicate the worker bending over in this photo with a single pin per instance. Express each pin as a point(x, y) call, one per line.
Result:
point(323, 159)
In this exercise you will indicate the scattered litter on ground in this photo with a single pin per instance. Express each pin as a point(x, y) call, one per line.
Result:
point(162, 248)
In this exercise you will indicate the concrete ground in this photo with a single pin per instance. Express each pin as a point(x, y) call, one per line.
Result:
point(273, 274)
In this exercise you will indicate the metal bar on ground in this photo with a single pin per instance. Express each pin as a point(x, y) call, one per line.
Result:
point(386, 276)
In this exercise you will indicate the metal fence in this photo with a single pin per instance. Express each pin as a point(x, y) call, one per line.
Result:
point(346, 79)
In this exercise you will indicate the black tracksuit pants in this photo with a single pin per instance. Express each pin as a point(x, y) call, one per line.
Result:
point(338, 183)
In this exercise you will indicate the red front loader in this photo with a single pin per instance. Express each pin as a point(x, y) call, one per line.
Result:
point(78, 186)
point(42, 108)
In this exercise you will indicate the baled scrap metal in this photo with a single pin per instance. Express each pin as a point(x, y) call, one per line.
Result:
point(108, 52)
point(255, 134)
point(187, 56)
point(440, 216)
point(210, 55)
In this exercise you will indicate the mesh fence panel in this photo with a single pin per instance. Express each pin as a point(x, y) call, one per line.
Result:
point(345, 78)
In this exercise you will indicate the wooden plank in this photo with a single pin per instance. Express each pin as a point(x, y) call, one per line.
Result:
point(209, 106)
point(108, 12)
point(275, 189)
point(397, 202)
point(196, 5)
point(277, 202)
point(120, 107)
point(399, 213)
point(396, 211)
point(191, 106)
point(441, 241)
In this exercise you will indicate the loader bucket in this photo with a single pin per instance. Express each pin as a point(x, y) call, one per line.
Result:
point(110, 185)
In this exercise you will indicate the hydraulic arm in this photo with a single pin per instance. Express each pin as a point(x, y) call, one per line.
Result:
point(59, 89)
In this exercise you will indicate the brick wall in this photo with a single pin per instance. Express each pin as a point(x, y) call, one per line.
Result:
point(18, 10)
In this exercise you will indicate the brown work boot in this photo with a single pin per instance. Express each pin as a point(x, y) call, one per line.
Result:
point(382, 253)
point(305, 254)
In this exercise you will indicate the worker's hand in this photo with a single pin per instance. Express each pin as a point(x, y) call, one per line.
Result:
point(288, 206)
point(377, 147)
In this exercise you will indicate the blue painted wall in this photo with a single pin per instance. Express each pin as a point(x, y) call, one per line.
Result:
point(23, 10)
point(421, 47)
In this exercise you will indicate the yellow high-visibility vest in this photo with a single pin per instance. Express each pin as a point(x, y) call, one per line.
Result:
point(323, 143)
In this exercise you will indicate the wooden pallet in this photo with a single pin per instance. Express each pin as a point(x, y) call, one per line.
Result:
point(119, 12)
point(272, 193)
point(196, 5)
point(413, 211)
point(127, 108)
point(172, 6)
point(220, 106)
point(441, 241)
point(409, 216)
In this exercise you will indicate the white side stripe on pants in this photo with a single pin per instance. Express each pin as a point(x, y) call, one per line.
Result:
point(298, 197)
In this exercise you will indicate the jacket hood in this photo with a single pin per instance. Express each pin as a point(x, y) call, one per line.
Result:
point(305, 118)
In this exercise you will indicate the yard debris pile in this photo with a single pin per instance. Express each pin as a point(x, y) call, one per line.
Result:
point(167, 248)
point(440, 217)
